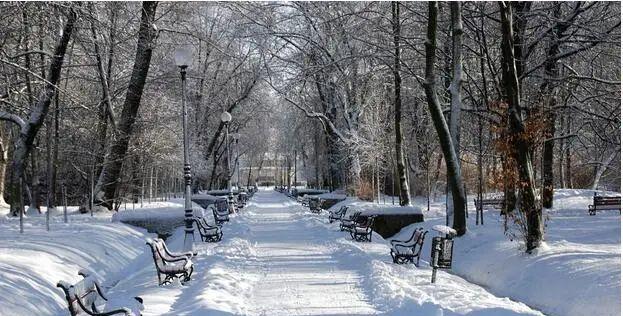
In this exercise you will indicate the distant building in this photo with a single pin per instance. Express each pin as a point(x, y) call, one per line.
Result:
point(272, 171)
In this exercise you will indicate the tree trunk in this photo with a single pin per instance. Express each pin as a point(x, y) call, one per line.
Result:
point(400, 160)
point(568, 176)
point(4, 160)
point(603, 167)
point(35, 181)
point(561, 155)
point(50, 167)
point(548, 93)
point(56, 143)
point(109, 177)
point(455, 85)
point(455, 183)
point(521, 147)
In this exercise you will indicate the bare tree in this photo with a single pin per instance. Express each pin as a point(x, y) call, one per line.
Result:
point(520, 150)
point(455, 182)
point(29, 127)
point(108, 180)
point(400, 160)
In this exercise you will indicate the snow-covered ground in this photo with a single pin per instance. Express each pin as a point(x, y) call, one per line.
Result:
point(276, 258)
point(33, 262)
point(576, 272)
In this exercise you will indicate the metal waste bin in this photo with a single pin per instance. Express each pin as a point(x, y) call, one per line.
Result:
point(441, 250)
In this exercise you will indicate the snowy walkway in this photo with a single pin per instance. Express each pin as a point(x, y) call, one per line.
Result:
point(299, 274)
point(278, 259)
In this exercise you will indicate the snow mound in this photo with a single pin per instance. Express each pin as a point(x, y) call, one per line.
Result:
point(31, 265)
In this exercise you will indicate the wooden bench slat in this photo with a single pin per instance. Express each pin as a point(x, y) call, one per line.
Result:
point(601, 203)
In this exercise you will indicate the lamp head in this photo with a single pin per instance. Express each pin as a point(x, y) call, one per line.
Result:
point(183, 57)
point(225, 117)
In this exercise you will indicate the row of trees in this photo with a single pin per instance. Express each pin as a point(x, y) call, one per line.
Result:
point(539, 82)
point(370, 97)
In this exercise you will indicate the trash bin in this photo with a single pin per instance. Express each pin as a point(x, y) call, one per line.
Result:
point(441, 249)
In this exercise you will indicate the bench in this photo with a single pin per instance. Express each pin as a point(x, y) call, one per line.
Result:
point(404, 251)
point(481, 204)
point(86, 297)
point(169, 264)
point(220, 215)
point(208, 233)
point(362, 230)
point(337, 215)
point(601, 203)
point(304, 200)
point(242, 200)
point(314, 205)
point(346, 223)
point(232, 204)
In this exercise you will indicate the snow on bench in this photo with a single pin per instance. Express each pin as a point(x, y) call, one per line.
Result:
point(208, 232)
point(86, 297)
point(408, 250)
point(362, 230)
point(170, 264)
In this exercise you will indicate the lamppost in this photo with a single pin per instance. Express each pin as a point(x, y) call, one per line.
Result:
point(226, 118)
point(236, 137)
point(182, 59)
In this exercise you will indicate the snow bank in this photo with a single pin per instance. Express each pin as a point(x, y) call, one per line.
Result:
point(32, 263)
point(157, 211)
point(576, 272)
point(277, 259)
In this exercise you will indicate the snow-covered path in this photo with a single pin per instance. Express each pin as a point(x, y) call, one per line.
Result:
point(300, 275)
point(278, 259)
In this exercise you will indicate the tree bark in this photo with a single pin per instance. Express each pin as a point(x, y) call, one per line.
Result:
point(109, 178)
point(4, 160)
point(550, 100)
point(400, 160)
point(521, 148)
point(455, 183)
point(455, 84)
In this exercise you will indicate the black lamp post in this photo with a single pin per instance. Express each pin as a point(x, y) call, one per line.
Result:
point(182, 59)
point(226, 118)
point(236, 137)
